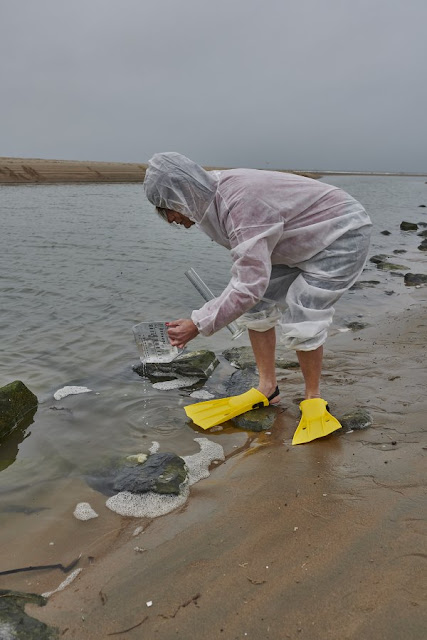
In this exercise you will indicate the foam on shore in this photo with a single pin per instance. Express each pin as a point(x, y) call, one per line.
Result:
point(63, 584)
point(68, 391)
point(177, 383)
point(202, 394)
point(84, 511)
point(152, 505)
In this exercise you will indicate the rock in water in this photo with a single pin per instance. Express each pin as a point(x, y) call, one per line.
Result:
point(414, 279)
point(364, 284)
point(15, 623)
point(241, 381)
point(161, 473)
point(257, 420)
point(240, 357)
point(389, 266)
point(199, 364)
point(356, 420)
point(408, 226)
point(355, 325)
point(16, 400)
point(381, 257)
point(243, 358)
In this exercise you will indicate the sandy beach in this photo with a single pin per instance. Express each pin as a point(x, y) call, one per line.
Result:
point(41, 171)
point(325, 540)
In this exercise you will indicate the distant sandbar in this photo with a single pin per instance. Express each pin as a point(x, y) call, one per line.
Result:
point(38, 171)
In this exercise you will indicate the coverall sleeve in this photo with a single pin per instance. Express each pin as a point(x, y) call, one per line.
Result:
point(252, 244)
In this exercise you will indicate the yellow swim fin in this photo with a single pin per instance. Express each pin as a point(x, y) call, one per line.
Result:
point(316, 421)
point(213, 412)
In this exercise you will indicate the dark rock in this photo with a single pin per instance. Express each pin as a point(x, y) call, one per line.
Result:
point(356, 326)
point(379, 258)
point(423, 245)
point(423, 234)
point(199, 364)
point(356, 420)
point(257, 419)
point(413, 279)
point(149, 371)
point(408, 226)
point(102, 479)
point(16, 400)
point(10, 443)
point(242, 380)
point(15, 623)
point(422, 206)
point(389, 266)
point(241, 357)
point(386, 233)
point(161, 473)
point(399, 251)
point(365, 284)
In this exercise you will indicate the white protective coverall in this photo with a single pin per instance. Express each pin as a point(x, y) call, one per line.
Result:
point(296, 244)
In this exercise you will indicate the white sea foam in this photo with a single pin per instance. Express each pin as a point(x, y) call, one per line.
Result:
point(84, 511)
point(137, 531)
point(147, 505)
point(68, 391)
point(152, 505)
point(177, 383)
point(198, 463)
point(154, 447)
point(202, 394)
point(63, 584)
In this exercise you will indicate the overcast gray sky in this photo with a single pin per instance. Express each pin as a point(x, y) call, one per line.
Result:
point(329, 84)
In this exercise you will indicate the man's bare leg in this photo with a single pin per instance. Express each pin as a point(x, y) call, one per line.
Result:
point(264, 348)
point(311, 367)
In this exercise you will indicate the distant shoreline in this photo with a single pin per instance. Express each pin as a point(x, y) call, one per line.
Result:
point(16, 171)
point(395, 174)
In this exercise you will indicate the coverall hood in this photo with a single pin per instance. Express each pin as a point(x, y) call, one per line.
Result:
point(175, 182)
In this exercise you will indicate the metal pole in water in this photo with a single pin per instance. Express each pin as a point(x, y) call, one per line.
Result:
point(207, 295)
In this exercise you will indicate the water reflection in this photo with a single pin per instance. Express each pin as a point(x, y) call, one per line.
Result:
point(9, 445)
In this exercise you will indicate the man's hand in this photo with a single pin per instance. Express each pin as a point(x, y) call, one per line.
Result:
point(181, 331)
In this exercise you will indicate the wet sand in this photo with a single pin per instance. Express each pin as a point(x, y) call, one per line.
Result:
point(325, 540)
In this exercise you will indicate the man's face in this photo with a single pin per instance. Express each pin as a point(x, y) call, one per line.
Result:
point(179, 218)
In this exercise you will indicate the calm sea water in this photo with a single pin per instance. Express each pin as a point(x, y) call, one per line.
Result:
point(80, 265)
